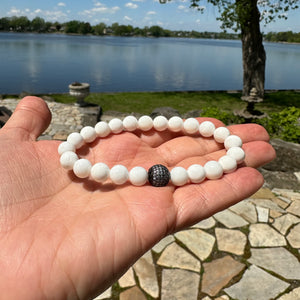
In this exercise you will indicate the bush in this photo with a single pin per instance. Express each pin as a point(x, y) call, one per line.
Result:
point(226, 117)
point(284, 125)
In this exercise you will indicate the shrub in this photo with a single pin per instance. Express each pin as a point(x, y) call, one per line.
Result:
point(226, 117)
point(284, 125)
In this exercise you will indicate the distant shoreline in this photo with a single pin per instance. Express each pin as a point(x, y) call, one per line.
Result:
point(141, 36)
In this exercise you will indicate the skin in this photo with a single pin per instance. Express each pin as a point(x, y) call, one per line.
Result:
point(68, 238)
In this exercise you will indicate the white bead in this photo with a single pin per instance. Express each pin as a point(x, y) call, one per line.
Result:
point(191, 125)
point(138, 176)
point(130, 123)
point(213, 170)
point(118, 174)
point(220, 134)
point(82, 168)
point(175, 124)
point(160, 123)
point(68, 159)
point(228, 163)
point(237, 153)
point(75, 139)
point(100, 172)
point(179, 176)
point(196, 173)
point(102, 129)
point(207, 128)
point(145, 123)
point(88, 133)
point(233, 141)
point(64, 147)
point(116, 125)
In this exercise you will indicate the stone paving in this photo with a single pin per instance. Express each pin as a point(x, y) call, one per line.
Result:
point(250, 251)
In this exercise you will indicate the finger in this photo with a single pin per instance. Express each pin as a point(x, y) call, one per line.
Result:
point(29, 120)
point(183, 147)
point(155, 139)
point(249, 132)
point(257, 153)
point(195, 202)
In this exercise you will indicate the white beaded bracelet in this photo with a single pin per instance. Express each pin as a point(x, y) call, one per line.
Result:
point(157, 175)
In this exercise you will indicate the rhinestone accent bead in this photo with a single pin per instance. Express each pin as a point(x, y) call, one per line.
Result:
point(158, 175)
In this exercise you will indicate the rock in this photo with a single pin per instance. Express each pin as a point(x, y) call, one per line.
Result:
point(176, 257)
point(266, 203)
point(263, 214)
point(230, 219)
point(257, 284)
point(127, 279)
point(198, 241)
point(246, 210)
point(167, 112)
point(262, 235)
point(218, 273)
point(294, 236)
point(4, 115)
point(278, 260)
point(294, 208)
point(179, 284)
point(263, 193)
point(287, 193)
point(233, 241)
point(206, 224)
point(287, 157)
point(91, 115)
point(293, 295)
point(196, 113)
point(60, 136)
point(283, 223)
point(133, 294)
point(280, 179)
point(161, 245)
point(145, 271)
point(280, 172)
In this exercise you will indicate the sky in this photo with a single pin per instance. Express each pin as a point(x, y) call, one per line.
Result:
point(175, 15)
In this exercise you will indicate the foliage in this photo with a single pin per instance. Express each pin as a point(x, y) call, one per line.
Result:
point(76, 27)
point(227, 118)
point(235, 12)
point(284, 124)
point(286, 36)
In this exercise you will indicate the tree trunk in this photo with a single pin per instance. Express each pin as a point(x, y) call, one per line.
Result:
point(254, 56)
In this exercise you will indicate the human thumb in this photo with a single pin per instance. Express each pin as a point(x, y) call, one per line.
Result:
point(29, 120)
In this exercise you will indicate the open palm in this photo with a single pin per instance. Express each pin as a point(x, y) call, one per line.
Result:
point(67, 238)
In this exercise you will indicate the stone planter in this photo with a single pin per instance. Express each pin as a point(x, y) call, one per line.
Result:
point(79, 91)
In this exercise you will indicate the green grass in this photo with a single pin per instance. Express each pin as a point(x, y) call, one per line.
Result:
point(146, 102)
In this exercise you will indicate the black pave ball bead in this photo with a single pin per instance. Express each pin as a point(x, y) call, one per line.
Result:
point(158, 175)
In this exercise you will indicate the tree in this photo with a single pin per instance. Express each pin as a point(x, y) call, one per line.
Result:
point(4, 24)
point(99, 29)
point(156, 31)
point(19, 24)
point(38, 24)
point(72, 26)
point(245, 16)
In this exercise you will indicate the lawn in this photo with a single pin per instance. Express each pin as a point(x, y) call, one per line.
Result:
point(146, 102)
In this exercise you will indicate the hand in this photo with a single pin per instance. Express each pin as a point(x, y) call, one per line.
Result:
point(66, 238)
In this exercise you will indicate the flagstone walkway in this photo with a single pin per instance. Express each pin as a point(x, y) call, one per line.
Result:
point(250, 251)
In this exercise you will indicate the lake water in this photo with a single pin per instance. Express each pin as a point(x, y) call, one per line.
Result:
point(39, 63)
